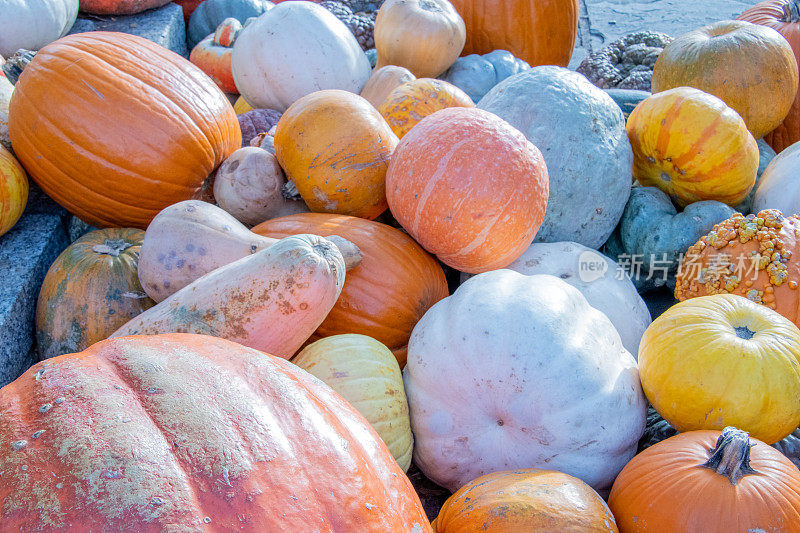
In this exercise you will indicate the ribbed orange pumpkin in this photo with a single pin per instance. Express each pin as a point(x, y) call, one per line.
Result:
point(119, 7)
point(128, 129)
point(541, 32)
point(13, 190)
point(185, 432)
point(386, 295)
point(469, 187)
point(784, 17)
point(213, 54)
point(409, 103)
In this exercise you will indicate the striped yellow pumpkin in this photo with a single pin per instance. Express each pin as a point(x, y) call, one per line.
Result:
point(692, 146)
point(13, 190)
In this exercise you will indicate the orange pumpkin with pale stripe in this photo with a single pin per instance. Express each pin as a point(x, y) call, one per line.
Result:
point(213, 54)
point(409, 103)
point(13, 190)
point(693, 147)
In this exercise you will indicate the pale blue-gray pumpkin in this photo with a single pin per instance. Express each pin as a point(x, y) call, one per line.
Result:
point(581, 134)
point(627, 99)
point(211, 13)
point(476, 75)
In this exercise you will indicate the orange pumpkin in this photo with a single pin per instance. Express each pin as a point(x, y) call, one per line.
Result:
point(541, 32)
point(411, 102)
point(335, 148)
point(750, 67)
point(386, 295)
point(213, 54)
point(128, 129)
point(708, 481)
point(119, 7)
point(90, 290)
point(693, 147)
point(186, 432)
point(13, 190)
point(784, 17)
point(545, 501)
point(757, 256)
point(469, 187)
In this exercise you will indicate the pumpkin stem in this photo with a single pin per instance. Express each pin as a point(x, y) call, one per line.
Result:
point(112, 247)
point(791, 11)
point(15, 64)
point(731, 456)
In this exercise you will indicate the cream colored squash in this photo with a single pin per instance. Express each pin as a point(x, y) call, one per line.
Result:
point(5, 98)
point(383, 81)
point(365, 373)
point(779, 186)
point(32, 24)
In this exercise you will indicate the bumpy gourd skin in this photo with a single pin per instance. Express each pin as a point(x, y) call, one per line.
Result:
point(626, 63)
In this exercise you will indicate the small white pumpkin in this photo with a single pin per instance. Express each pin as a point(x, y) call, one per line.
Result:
point(5, 99)
point(365, 373)
point(520, 371)
point(32, 24)
point(778, 186)
point(605, 285)
point(295, 49)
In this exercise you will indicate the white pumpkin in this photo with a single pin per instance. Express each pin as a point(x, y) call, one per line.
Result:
point(778, 186)
point(295, 49)
point(517, 371)
point(5, 99)
point(32, 24)
point(605, 285)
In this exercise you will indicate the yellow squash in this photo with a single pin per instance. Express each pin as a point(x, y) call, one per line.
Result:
point(241, 106)
point(412, 101)
point(13, 190)
point(692, 146)
point(722, 360)
point(365, 373)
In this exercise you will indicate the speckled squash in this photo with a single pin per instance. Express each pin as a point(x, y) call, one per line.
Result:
point(188, 433)
point(388, 293)
point(756, 256)
point(91, 290)
point(778, 188)
point(383, 81)
point(693, 147)
point(751, 68)
point(722, 360)
point(272, 300)
point(119, 7)
point(13, 190)
point(335, 147)
point(209, 14)
point(409, 103)
point(525, 500)
point(213, 54)
point(366, 374)
point(581, 133)
point(32, 24)
point(476, 75)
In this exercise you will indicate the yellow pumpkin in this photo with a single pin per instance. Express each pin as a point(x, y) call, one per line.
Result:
point(365, 373)
point(692, 146)
point(410, 102)
point(13, 190)
point(241, 106)
point(722, 360)
point(335, 148)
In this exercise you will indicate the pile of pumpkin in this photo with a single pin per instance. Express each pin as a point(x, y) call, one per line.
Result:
point(288, 304)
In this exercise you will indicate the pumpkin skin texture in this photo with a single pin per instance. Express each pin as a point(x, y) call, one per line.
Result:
point(271, 301)
point(91, 290)
point(540, 33)
point(209, 14)
point(335, 148)
point(255, 122)
point(241, 106)
point(588, 155)
point(469, 188)
point(154, 418)
point(149, 127)
point(754, 256)
point(571, 400)
point(722, 360)
point(32, 24)
point(383, 81)
point(13, 191)
point(365, 373)
point(715, 59)
point(668, 487)
point(213, 54)
point(693, 147)
point(476, 75)
point(626, 63)
point(778, 186)
point(528, 499)
point(434, 44)
point(627, 99)
point(269, 50)
point(409, 103)
point(119, 7)
point(784, 17)
point(765, 156)
point(387, 294)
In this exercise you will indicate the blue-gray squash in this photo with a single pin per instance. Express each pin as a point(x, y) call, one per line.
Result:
point(652, 235)
point(765, 156)
point(581, 134)
point(476, 75)
point(211, 13)
point(627, 99)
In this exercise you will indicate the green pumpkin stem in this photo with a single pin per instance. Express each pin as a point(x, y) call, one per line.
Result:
point(15, 64)
point(731, 456)
point(791, 11)
point(112, 247)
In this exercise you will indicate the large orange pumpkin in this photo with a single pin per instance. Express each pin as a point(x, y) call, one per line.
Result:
point(708, 481)
point(127, 129)
point(184, 432)
point(469, 187)
point(409, 103)
point(541, 32)
point(386, 295)
point(784, 17)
